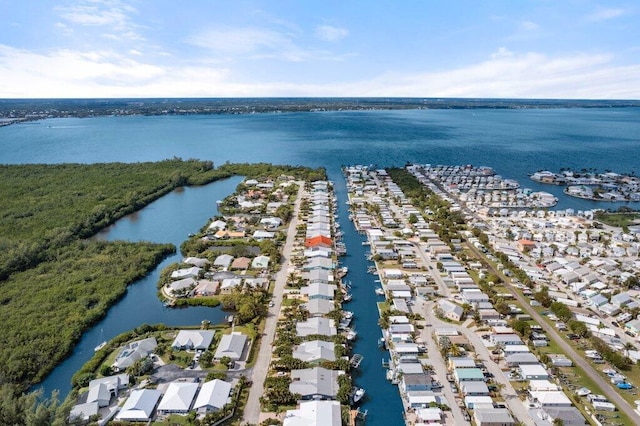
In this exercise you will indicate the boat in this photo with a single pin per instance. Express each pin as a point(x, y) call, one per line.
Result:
point(356, 360)
point(351, 335)
point(357, 394)
point(101, 345)
point(347, 297)
point(382, 344)
point(379, 291)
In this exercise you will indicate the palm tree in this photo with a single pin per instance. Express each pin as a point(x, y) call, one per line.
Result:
point(628, 347)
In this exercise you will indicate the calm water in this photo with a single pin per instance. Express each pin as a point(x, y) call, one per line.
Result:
point(513, 142)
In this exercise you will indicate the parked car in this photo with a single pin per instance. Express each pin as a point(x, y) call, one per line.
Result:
point(624, 385)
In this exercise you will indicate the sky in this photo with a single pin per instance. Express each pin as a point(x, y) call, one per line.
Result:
point(569, 49)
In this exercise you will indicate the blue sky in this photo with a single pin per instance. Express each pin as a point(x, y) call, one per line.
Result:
point(235, 48)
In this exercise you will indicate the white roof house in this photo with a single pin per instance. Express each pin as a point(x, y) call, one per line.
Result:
point(316, 325)
point(134, 351)
point(139, 406)
point(213, 396)
point(232, 346)
point(101, 390)
point(83, 412)
point(315, 351)
point(312, 413)
point(193, 339)
point(192, 272)
point(178, 397)
point(260, 262)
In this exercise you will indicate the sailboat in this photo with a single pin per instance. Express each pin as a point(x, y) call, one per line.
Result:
point(103, 344)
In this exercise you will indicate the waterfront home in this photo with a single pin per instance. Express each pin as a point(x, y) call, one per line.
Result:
point(228, 285)
point(318, 252)
point(83, 412)
point(314, 413)
point(319, 307)
point(493, 417)
point(416, 382)
point(317, 276)
point(178, 398)
point(260, 262)
point(102, 390)
point(213, 395)
point(218, 225)
point(133, 351)
point(231, 346)
point(319, 241)
point(180, 286)
point(318, 263)
point(429, 416)
point(316, 325)
point(193, 340)
point(315, 383)
point(196, 261)
point(192, 272)
point(139, 406)
point(315, 351)
point(207, 288)
point(319, 291)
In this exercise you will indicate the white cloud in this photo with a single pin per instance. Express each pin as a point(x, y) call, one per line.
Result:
point(329, 33)
point(506, 74)
point(112, 14)
point(606, 14)
point(529, 26)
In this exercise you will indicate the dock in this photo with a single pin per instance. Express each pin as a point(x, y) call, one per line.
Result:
point(356, 360)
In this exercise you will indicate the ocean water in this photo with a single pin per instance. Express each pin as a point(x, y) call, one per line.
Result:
point(515, 142)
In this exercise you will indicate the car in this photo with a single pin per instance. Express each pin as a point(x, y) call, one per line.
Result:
point(624, 385)
point(271, 304)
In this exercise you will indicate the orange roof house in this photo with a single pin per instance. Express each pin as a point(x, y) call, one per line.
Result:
point(524, 245)
point(318, 241)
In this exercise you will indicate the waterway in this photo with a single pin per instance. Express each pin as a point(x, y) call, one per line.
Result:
point(382, 400)
point(167, 220)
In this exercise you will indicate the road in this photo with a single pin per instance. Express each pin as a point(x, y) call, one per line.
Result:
point(261, 367)
point(578, 360)
point(509, 394)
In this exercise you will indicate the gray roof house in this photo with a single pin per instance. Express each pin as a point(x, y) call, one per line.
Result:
point(315, 383)
point(315, 351)
point(316, 325)
point(232, 346)
point(134, 351)
point(193, 339)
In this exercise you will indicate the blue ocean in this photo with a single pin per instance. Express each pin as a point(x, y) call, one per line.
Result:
point(515, 142)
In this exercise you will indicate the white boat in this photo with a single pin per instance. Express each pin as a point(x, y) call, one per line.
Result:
point(358, 394)
point(101, 345)
point(379, 291)
point(351, 335)
point(347, 297)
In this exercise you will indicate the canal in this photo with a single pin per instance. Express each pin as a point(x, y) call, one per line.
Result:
point(382, 401)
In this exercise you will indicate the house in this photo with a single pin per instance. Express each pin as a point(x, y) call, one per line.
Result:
point(315, 383)
point(315, 351)
point(633, 327)
point(195, 261)
point(193, 340)
point(178, 398)
point(319, 291)
point(232, 346)
point(493, 417)
point(541, 399)
point(241, 263)
point(228, 285)
point(468, 375)
point(451, 310)
point(474, 389)
point(219, 225)
point(505, 339)
point(318, 241)
point(213, 396)
point(271, 222)
point(263, 235)
point(134, 351)
point(192, 272)
point(260, 262)
point(224, 261)
point(560, 360)
point(481, 401)
point(416, 382)
point(83, 412)
point(461, 362)
point(570, 416)
point(314, 413)
point(207, 287)
point(429, 415)
point(318, 263)
point(139, 406)
point(316, 325)
point(533, 372)
point(182, 285)
point(102, 390)
point(521, 358)
point(319, 307)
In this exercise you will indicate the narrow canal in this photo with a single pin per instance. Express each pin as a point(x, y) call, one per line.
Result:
point(382, 400)
point(167, 220)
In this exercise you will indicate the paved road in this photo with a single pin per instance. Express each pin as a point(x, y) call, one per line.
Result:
point(511, 398)
point(578, 360)
point(261, 367)
point(437, 362)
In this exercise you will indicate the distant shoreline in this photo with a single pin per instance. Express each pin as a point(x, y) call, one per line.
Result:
point(21, 110)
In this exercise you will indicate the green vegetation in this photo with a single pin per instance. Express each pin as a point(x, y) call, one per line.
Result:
point(18, 408)
point(45, 310)
point(623, 218)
